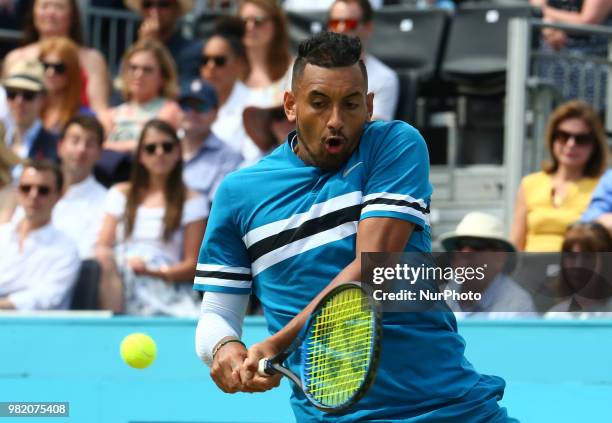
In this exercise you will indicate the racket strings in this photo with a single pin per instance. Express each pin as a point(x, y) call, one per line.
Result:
point(339, 348)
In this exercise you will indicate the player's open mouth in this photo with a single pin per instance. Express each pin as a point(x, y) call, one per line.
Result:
point(333, 145)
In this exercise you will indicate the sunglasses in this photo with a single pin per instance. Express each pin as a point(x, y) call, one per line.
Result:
point(162, 4)
point(219, 61)
point(167, 147)
point(12, 94)
point(195, 105)
point(349, 24)
point(579, 139)
point(58, 68)
point(257, 21)
point(42, 190)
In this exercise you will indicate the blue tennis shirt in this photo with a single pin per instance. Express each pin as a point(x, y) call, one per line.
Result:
point(284, 230)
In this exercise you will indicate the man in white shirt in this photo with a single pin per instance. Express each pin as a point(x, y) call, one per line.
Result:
point(39, 264)
point(354, 17)
point(79, 211)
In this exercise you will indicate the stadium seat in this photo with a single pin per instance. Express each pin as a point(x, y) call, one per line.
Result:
point(475, 55)
point(411, 42)
point(303, 24)
point(85, 296)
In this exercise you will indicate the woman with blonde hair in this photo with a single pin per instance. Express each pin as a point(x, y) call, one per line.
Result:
point(53, 18)
point(550, 200)
point(60, 59)
point(151, 233)
point(267, 47)
point(149, 86)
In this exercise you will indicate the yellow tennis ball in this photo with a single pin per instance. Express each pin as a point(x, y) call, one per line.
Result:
point(138, 350)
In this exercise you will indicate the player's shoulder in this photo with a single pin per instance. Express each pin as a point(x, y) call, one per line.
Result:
point(381, 134)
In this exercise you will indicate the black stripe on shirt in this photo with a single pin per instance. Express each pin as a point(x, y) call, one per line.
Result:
point(309, 228)
point(402, 203)
point(223, 275)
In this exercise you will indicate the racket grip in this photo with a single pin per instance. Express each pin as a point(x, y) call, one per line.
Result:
point(264, 368)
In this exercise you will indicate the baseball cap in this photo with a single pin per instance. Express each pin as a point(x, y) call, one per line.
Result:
point(199, 95)
point(25, 75)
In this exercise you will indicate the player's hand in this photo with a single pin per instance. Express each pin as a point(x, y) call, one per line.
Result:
point(137, 265)
point(225, 369)
point(253, 381)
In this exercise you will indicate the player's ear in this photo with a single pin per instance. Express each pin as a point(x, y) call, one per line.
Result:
point(370, 104)
point(289, 104)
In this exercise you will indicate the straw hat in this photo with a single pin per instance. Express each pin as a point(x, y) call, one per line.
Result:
point(477, 225)
point(257, 121)
point(25, 75)
point(136, 5)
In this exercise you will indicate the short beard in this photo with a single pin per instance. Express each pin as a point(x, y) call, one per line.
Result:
point(309, 158)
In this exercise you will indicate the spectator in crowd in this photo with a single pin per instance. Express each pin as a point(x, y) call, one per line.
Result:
point(570, 75)
point(26, 135)
point(149, 86)
point(160, 22)
point(482, 235)
point(78, 213)
point(60, 59)
point(38, 264)
point(206, 158)
point(155, 225)
point(224, 64)
point(52, 18)
point(549, 200)
point(8, 160)
point(267, 127)
point(267, 48)
point(354, 17)
point(585, 280)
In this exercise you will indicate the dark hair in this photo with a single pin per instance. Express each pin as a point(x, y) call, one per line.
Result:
point(31, 35)
point(328, 50)
point(591, 277)
point(590, 236)
point(45, 165)
point(231, 29)
point(175, 191)
point(89, 123)
point(278, 56)
point(578, 109)
point(367, 13)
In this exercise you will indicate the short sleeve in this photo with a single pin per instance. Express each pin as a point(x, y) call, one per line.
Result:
point(398, 177)
point(601, 201)
point(196, 208)
point(223, 263)
point(114, 203)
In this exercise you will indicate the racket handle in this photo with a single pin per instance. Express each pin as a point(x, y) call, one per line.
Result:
point(264, 368)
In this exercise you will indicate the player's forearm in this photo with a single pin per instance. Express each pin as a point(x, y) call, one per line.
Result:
point(283, 338)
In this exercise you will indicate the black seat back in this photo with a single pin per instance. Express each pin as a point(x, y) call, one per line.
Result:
point(409, 39)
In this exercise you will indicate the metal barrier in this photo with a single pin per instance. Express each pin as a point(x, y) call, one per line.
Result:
point(530, 98)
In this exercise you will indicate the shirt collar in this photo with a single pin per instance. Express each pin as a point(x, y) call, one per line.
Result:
point(80, 189)
point(43, 234)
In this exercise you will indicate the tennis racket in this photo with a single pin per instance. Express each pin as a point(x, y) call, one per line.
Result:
point(340, 347)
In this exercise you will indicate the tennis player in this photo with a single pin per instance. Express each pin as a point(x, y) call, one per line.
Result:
point(301, 217)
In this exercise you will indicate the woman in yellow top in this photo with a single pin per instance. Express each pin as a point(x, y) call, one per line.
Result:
point(550, 200)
